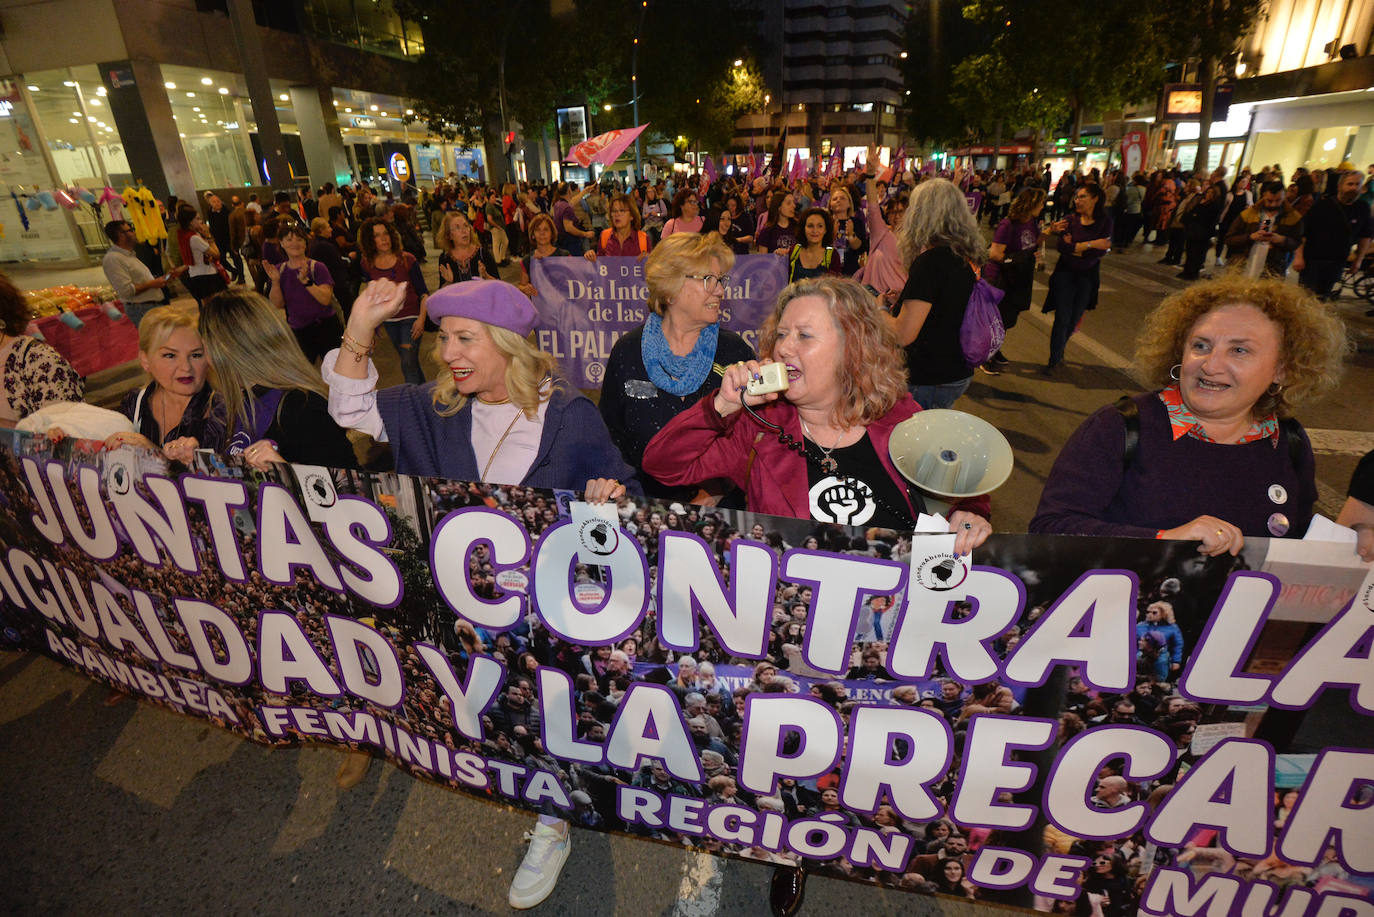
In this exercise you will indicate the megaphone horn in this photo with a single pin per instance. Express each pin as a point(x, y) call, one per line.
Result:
point(950, 455)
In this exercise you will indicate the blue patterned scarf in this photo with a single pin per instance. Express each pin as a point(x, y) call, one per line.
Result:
point(674, 374)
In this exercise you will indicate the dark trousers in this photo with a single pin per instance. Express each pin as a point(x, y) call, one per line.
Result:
point(318, 339)
point(1195, 257)
point(1321, 276)
point(1127, 227)
point(1070, 294)
point(1177, 237)
point(204, 286)
point(233, 261)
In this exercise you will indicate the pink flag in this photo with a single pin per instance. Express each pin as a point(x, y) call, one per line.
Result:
point(798, 170)
point(833, 168)
point(603, 148)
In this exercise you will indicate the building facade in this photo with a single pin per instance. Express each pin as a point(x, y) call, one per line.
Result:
point(159, 94)
point(838, 66)
point(1303, 92)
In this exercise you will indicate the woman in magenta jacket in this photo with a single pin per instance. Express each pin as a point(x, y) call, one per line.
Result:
point(820, 451)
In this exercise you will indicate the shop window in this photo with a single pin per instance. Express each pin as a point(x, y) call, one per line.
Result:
point(70, 109)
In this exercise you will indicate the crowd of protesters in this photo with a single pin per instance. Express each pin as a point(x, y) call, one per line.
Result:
point(888, 259)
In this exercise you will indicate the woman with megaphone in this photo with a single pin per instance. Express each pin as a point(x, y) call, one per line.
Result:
point(817, 447)
point(811, 441)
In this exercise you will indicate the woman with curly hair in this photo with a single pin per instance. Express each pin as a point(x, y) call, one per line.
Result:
point(819, 450)
point(1213, 455)
point(384, 258)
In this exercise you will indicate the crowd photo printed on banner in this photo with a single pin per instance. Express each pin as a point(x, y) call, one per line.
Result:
point(1083, 725)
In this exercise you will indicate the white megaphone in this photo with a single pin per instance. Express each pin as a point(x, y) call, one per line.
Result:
point(950, 455)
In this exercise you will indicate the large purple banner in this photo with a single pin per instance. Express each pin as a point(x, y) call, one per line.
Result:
point(584, 306)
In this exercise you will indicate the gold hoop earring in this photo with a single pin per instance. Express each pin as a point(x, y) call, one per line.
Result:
point(1273, 389)
point(1175, 370)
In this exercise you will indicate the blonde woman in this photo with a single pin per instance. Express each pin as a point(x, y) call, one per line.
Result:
point(675, 359)
point(177, 412)
point(462, 256)
point(275, 402)
point(498, 413)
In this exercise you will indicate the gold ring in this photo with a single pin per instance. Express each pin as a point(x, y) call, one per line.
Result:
point(1220, 533)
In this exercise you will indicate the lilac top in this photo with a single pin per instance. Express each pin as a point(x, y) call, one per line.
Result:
point(1170, 482)
point(303, 309)
point(563, 211)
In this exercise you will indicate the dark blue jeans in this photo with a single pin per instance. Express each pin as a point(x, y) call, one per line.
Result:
point(1069, 296)
point(407, 349)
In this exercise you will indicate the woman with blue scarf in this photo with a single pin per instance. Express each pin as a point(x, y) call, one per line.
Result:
point(658, 371)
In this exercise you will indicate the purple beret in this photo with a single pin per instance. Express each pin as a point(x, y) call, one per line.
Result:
point(492, 301)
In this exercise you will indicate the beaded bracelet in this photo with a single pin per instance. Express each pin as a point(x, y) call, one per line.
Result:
point(355, 348)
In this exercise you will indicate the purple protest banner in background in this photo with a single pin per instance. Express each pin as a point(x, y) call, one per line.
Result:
point(585, 306)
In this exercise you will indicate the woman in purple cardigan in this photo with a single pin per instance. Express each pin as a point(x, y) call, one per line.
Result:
point(1213, 456)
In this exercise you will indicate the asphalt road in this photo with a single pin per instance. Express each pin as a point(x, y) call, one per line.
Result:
point(132, 809)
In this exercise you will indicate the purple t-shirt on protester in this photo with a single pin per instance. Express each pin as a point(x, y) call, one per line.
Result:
point(303, 309)
point(564, 211)
point(1015, 238)
point(773, 237)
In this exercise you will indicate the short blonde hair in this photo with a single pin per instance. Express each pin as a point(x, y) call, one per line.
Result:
point(158, 324)
point(527, 368)
point(683, 253)
point(1312, 340)
point(872, 376)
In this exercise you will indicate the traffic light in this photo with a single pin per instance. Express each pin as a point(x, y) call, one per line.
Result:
point(510, 142)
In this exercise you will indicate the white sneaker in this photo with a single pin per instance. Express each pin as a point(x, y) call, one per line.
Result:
point(538, 873)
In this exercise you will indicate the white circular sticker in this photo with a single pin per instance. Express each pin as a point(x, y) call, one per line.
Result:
point(1277, 494)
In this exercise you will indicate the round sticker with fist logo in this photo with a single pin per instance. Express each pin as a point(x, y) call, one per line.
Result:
point(848, 502)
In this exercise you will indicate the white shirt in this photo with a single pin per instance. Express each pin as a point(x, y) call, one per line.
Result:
point(124, 272)
point(201, 267)
point(501, 434)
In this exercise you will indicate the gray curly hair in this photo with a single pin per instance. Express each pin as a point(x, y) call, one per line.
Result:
point(938, 214)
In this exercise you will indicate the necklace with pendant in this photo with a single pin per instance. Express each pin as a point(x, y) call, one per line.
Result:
point(828, 464)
